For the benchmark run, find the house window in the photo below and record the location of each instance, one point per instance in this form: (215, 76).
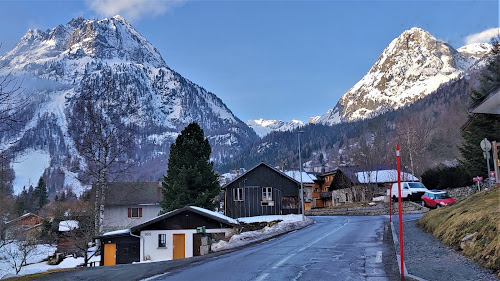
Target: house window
(162, 240)
(135, 212)
(267, 194)
(238, 194)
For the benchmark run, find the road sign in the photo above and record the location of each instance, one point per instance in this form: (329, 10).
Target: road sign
(485, 145)
(477, 179)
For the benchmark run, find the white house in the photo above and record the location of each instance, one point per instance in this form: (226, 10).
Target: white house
(178, 234)
(131, 203)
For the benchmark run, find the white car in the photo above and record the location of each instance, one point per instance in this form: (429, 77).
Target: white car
(409, 190)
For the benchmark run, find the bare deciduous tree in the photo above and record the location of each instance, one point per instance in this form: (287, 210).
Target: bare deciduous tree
(12, 101)
(19, 251)
(103, 134)
(413, 135)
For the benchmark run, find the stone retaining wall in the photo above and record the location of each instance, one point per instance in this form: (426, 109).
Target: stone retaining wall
(376, 210)
(460, 193)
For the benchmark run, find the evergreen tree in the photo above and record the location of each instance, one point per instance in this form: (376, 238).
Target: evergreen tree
(40, 194)
(190, 178)
(481, 126)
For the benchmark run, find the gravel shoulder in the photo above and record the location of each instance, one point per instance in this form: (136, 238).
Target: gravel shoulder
(427, 258)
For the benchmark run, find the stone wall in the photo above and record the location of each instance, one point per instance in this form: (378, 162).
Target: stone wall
(460, 193)
(376, 210)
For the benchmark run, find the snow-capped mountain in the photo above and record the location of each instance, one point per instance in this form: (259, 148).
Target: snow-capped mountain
(414, 65)
(263, 127)
(56, 66)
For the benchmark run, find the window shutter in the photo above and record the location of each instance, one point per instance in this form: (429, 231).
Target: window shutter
(129, 212)
(140, 212)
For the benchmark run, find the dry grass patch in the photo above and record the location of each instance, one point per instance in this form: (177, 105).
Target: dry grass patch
(478, 213)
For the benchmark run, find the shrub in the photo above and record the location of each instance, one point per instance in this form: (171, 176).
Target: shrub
(442, 177)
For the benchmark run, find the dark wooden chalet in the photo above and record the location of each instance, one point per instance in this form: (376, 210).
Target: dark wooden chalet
(119, 247)
(262, 190)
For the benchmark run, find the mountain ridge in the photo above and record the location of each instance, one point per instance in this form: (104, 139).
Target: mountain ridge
(412, 66)
(55, 65)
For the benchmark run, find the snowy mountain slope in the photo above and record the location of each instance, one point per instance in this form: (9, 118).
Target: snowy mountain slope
(414, 65)
(57, 64)
(263, 127)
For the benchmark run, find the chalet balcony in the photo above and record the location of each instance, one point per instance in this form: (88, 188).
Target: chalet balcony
(316, 195)
(326, 194)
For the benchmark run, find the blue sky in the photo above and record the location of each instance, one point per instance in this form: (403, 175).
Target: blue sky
(266, 59)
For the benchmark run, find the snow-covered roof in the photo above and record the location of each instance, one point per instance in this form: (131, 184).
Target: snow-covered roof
(383, 176)
(68, 225)
(24, 216)
(207, 213)
(116, 232)
(305, 176)
(215, 214)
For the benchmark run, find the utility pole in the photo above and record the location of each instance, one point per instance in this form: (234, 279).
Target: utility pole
(301, 185)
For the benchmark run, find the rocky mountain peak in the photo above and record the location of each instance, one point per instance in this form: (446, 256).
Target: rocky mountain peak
(111, 38)
(107, 39)
(414, 65)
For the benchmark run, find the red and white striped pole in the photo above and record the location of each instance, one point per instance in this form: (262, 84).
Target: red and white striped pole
(400, 215)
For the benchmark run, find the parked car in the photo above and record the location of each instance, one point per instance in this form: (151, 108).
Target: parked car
(436, 199)
(409, 190)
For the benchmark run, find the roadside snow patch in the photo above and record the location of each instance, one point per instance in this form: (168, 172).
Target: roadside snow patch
(289, 223)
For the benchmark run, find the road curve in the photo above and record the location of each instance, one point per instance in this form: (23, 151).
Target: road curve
(334, 248)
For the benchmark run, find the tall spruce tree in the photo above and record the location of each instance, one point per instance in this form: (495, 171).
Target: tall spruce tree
(481, 126)
(190, 178)
(40, 194)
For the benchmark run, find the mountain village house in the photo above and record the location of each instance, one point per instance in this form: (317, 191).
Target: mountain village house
(307, 184)
(353, 184)
(26, 224)
(262, 190)
(178, 234)
(131, 203)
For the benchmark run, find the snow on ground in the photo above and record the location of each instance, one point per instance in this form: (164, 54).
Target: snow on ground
(28, 168)
(288, 218)
(68, 225)
(289, 223)
(379, 198)
(36, 263)
(39, 253)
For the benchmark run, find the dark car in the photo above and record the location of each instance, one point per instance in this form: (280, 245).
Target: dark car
(436, 199)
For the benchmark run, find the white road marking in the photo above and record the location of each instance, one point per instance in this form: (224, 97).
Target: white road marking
(378, 258)
(262, 277)
(155, 276)
(322, 237)
(281, 262)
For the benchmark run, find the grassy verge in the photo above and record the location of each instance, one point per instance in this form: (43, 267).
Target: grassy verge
(477, 213)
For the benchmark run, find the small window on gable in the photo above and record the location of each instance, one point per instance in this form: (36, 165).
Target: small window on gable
(267, 194)
(135, 212)
(162, 240)
(238, 194)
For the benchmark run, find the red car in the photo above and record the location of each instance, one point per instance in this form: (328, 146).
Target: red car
(436, 199)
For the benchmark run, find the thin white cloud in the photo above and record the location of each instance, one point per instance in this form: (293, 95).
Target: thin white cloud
(132, 10)
(483, 37)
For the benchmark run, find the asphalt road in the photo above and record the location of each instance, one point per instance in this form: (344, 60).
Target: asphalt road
(334, 248)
